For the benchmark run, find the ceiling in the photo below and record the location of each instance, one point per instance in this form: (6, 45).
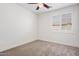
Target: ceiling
(54, 6)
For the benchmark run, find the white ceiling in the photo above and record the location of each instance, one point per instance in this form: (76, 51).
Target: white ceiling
(54, 6)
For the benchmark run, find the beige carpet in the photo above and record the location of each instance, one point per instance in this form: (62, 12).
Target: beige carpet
(42, 48)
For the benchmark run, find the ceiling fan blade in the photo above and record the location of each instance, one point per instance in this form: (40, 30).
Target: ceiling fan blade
(45, 5)
(32, 3)
(37, 8)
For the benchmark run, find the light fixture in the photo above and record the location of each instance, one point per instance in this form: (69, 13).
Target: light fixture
(40, 5)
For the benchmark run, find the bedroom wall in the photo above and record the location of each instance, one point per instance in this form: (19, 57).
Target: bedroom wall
(17, 26)
(47, 33)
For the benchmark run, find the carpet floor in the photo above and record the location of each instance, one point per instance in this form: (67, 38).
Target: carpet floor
(42, 48)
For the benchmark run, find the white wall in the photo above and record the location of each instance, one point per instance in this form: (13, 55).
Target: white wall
(17, 26)
(47, 33)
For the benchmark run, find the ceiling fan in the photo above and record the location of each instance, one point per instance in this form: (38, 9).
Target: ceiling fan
(40, 5)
